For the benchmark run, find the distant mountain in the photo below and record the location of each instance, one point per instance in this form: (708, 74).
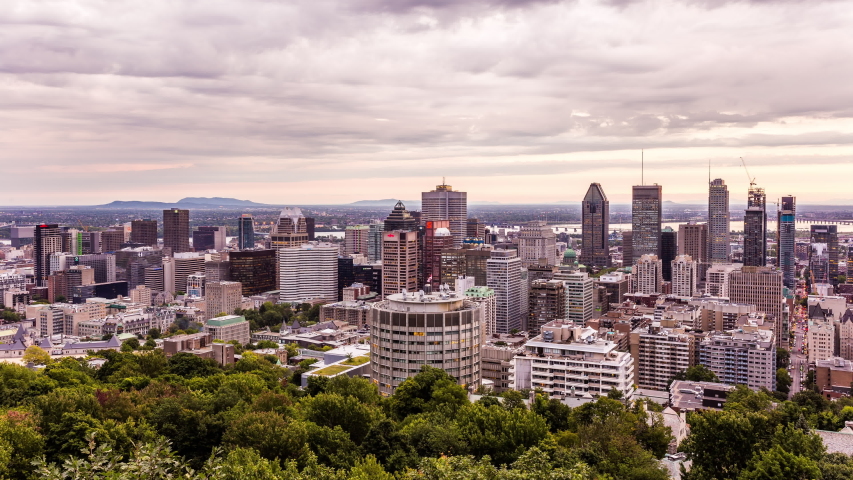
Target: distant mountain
(189, 202)
(386, 202)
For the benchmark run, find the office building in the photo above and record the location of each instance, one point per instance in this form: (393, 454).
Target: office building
(103, 264)
(627, 248)
(683, 276)
(255, 270)
(369, 275)
(668, 251)
(504, 277)
(374, 241)
(546, 303)
(436, 239)
(178, 267)
(144, 232)
(445, 204)
(741, 358)
(646, 220)
(537, 244)
(11, 282)
(580, 302)
(399, 262)
(567, 361)
(222, 297)
(845, 335)
(821, 340)
(475, 229)
(309, 271)
(89, 243)
(755, 229)
(442, 330)
(693, 240)
(217, 270)
(195, 285)
(762, 287)
(290, 230)
(47, 240)
(400, 219)
(111, 240)
(154, 278)
(465, 262)
(209, 238)
(176, 230)
(228, 328)
(141, 295)
(595, 224)
(717, 284)
(310, 223)
(824, 254)
(246, 232)
(356, 240)
(346, 274)
(786, 231)
(719, 245)
(648, 275)
(21, 235)
(617, 284)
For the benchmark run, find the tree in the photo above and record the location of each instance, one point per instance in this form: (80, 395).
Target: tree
(36, 355)
(777, 463)
(331, 410)
(783, 381)
(783, 358)
(427, 391)
(735, 436)
(502, 434)
(270, 434)
(61, 299)
(700, 373)
(189, 365)
(154, 333)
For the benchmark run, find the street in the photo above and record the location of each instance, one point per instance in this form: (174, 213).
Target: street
(798, 358)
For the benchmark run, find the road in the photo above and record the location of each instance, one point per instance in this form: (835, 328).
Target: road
(797, 357)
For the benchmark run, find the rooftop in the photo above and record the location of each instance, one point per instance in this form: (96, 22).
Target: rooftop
(225, 321)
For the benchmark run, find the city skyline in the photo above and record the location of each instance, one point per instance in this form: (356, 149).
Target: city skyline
(516, 102)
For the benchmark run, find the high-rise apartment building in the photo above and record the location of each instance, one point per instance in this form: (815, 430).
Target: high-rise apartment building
(144, 232)
(762, 287)
(719, 247)
(537, 244)
(255, 270)
(246, 231)
(445, 204)
(442, 331)
(648, 274)
(485, 296)
(646, 220)
(399, 262)
(546, 303)
(668, 251)
(356, 239)
(209, 238)
(176, 230)
(824, 243)
(290, 230)
(741, 358)
(595, 225)
(47, 240)
(309, 271)
(693, 240)
(579, 296)
(400, 219)
(786, 230)
(661, 353)
(436, 238)
(374, 241)
(222, 297)
(683, 276)
(504, 277)
(755, 229)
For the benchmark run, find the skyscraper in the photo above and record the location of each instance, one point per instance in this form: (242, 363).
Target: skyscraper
(504, 277)
(648, 274)
(246, 232)
(144, 232)
(400, 219)
(47, 240)
(209, 238)
(356, 238)
(718, 222)
(786, 229)
(824, 251)
(176, 230)
(683, 276)
(693, 241)
(291, 230)
(436, 238)
(595, 214)
(537, 243)
(445, 204)
(755, 229)
(547, 302)
(645, 220)
(255, 270)
(308, 271)
(668, 251)
(374, 241)
(762, 287)
(399, 262)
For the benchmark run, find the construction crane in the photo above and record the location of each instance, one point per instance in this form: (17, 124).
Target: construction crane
(751, 178)
(85, 229)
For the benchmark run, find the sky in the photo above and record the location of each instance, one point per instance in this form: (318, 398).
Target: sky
(514, 101)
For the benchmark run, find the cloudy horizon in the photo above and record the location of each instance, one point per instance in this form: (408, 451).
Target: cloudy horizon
(513, 101)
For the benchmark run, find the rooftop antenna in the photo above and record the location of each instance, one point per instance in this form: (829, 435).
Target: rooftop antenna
(709, 171)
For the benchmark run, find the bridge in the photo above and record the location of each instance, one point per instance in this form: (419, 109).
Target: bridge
(825, 222)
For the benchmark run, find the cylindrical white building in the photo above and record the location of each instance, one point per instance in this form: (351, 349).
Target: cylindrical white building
(409, 330)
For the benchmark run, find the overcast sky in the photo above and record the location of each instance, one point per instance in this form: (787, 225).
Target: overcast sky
(316, 101)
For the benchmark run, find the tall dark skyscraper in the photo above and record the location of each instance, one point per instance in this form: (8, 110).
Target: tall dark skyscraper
(47, 239)
(400, 219)
(755, 229)
(246, 232)
(144, 232)
(786, 229)
(176, 230)
(718, 222)
(255, 270)
(823, 254)
(645, 220)
(309, 227)
(668, 251)
(595, 218)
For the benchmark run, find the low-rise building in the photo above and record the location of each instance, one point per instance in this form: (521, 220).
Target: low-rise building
(834, 376)
(496, 359)
(228, 328)
(686, 396)
(353, 312)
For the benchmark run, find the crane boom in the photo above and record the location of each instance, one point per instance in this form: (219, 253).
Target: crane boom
(751, 178)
